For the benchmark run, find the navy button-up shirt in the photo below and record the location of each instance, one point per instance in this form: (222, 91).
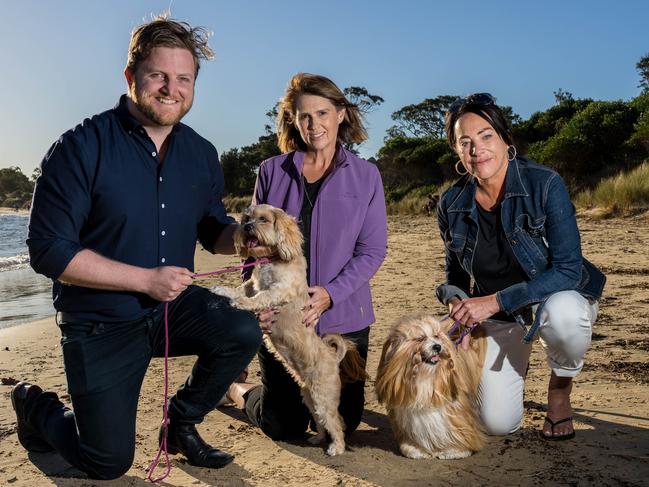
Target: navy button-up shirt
(103, 188)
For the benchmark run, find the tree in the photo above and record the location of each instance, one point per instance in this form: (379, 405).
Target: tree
(413, 161)
(543, 125)
(643, 70)
(561, 96)
(359, 96)
(15, 189)
(591, 144)
(240, 165)
(425, 119)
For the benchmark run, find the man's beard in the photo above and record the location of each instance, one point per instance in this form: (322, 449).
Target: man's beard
(144, 102)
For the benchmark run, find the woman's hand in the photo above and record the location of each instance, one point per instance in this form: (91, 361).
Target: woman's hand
(473, 310)
(318, 303)
(266, 319)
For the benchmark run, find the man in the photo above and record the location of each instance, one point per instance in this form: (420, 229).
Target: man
(117, 210)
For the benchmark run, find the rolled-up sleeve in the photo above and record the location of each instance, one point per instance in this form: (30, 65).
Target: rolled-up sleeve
(60, 206)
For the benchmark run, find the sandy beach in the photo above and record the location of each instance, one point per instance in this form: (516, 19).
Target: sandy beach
(610, 399)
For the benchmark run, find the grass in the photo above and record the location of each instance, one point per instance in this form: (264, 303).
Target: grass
(621, 194)
(414, 201)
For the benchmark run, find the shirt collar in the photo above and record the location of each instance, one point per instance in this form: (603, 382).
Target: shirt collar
(341, 159)
(465, 201)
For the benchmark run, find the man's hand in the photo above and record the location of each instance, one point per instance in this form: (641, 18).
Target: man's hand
(318, 303)
(166, 283)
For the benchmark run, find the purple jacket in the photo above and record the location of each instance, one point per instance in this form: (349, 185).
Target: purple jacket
(348, 231)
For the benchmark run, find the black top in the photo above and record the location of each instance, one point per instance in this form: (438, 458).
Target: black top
(495, 266)
(103, 187)
(311, 191)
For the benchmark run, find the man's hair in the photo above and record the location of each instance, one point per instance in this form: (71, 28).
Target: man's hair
(351, 129)
(165, 32)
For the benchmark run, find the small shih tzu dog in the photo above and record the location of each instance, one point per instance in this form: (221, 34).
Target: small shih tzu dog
(317, 364)
(430, 388)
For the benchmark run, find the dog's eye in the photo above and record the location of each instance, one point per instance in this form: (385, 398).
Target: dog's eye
(262, 219)
(421, 338)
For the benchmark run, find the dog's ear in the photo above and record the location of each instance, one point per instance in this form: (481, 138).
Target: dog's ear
(238, 238)
(289, 237)
(391, 345)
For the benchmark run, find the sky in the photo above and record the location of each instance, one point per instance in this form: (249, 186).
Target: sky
(63, 61)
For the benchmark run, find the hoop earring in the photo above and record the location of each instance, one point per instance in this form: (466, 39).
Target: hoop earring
(458, 171)
(510, 149)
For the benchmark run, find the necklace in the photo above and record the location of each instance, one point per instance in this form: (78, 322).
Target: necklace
(306, 192)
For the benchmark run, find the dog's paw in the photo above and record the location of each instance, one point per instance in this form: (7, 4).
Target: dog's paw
(412, 451)
(244, 302)
(453, 454)
(335, 449)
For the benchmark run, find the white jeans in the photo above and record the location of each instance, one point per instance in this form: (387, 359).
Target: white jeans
(565, 330)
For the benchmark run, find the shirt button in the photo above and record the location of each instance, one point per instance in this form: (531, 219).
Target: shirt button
(154, 153)
(163, 233)
(162, 205)
(163, 260)
(160, 178)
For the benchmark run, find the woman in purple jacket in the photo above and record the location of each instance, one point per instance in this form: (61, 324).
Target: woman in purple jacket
(338, 200)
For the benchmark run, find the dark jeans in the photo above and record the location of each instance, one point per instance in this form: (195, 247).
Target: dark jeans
(277, 408)
(105, 364)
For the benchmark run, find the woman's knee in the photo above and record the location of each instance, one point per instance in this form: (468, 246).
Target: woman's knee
(283, 428)
(566, 322)
(500, 423)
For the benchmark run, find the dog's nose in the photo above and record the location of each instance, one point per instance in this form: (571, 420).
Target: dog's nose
(437, 348)
(248, 226)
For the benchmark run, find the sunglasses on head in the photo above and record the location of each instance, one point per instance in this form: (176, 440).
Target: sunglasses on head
(479, 99)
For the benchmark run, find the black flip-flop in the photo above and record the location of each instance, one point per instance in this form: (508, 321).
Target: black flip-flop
(552, 437)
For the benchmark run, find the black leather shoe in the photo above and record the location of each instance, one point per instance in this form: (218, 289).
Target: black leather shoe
(27, 436)
(183, 438)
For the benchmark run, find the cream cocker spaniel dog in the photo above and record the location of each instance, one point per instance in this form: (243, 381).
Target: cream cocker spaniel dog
(316, 364)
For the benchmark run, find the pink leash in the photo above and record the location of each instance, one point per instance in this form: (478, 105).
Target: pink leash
(165, 418)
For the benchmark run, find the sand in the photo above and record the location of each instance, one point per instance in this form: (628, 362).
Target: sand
(610, 398)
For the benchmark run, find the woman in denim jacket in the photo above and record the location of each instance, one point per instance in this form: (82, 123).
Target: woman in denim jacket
(509, 228)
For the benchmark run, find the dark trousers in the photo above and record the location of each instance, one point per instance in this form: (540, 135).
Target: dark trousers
(277, 407)
(105, 364)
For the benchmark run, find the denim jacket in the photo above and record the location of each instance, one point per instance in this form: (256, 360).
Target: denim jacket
(539, 222)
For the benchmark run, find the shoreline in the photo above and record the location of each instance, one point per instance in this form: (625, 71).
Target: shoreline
(610, 398)
(10, 211)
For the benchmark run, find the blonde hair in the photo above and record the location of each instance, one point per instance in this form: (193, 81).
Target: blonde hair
(351, 129)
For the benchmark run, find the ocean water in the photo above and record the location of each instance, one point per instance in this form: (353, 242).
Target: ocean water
(24, 295)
